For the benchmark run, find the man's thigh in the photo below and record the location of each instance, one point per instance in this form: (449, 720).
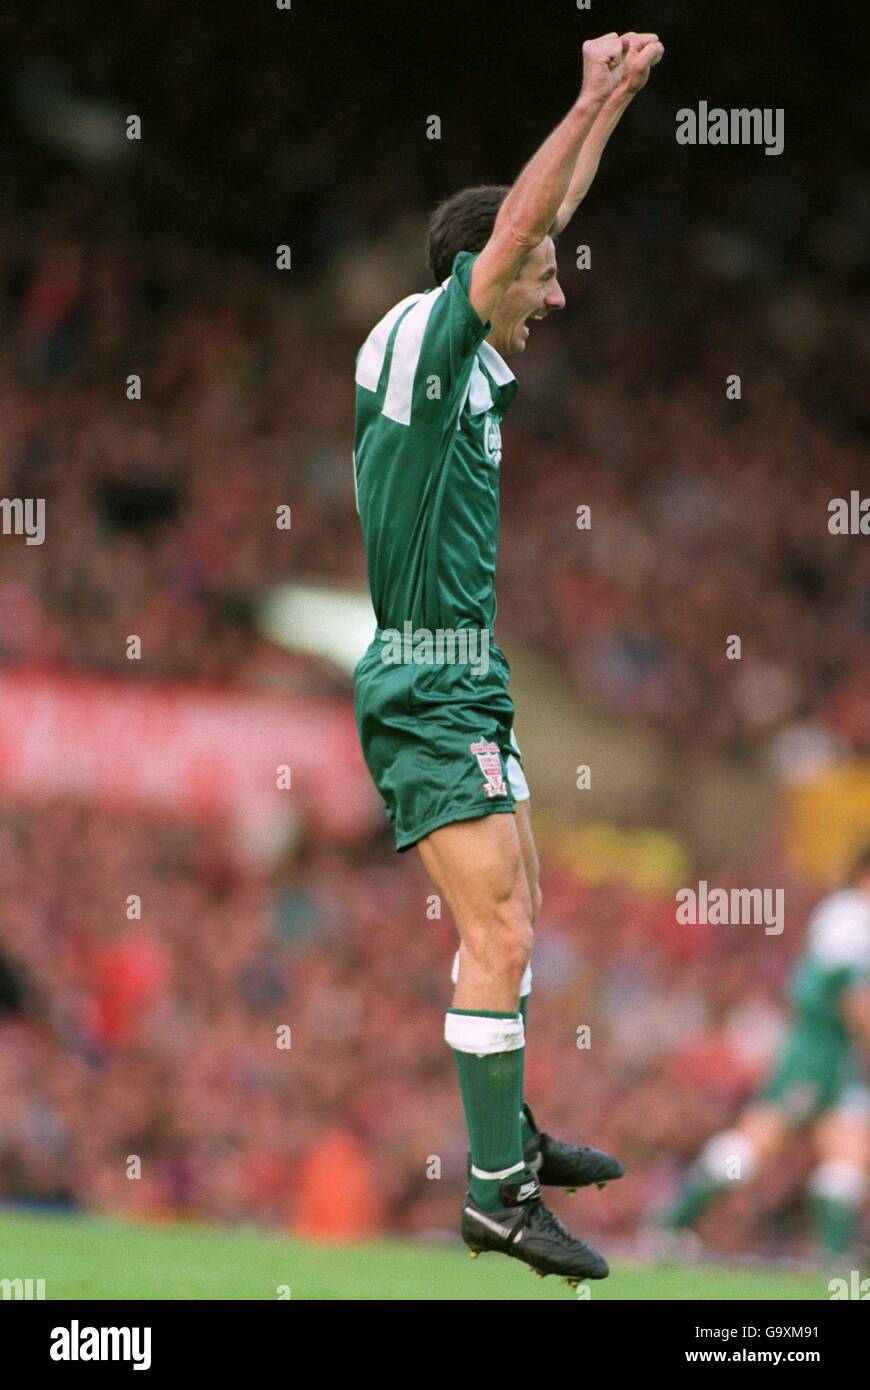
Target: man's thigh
(476, 865)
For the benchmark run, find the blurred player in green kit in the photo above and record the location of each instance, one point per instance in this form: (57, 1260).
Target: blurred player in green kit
(818, 1085)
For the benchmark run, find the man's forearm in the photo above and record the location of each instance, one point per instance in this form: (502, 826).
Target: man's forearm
(589, 158)
(530, 208)
(643, 52)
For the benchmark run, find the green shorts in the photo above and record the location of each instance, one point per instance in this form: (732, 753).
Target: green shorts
(438, 741)
(816, 1071)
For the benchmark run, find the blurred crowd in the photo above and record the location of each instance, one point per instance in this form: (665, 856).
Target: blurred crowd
(236, 1048)
(708, 516)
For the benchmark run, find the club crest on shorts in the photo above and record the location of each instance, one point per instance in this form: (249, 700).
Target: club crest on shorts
(487, 755)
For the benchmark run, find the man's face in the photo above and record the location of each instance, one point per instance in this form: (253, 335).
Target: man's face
(532, 295)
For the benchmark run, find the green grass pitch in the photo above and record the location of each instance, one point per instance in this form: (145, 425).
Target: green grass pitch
(82, 1257)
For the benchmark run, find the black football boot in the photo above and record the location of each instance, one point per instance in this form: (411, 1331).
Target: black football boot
(525, 1229)
(567, 1165)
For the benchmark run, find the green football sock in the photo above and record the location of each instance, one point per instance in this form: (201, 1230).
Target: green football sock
(525, 1128)
(837, 1189)
(836, 1223)
(727, 1158)
(488, 1048)
(693, 1201)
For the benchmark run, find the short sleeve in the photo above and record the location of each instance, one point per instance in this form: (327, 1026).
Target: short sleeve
(433, 350)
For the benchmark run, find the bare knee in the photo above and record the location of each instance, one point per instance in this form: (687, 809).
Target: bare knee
(499, 945)
(843, 1136)
(514, 936)
(481, 868)
(765, 1128)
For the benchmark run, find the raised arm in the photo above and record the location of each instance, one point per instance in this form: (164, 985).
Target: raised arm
(529, 210)
(641, 52)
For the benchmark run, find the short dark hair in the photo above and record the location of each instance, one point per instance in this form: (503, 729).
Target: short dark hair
(462, 223)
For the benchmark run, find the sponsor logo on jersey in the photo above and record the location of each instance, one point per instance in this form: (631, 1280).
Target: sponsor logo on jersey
(488, 757)
(492, 439)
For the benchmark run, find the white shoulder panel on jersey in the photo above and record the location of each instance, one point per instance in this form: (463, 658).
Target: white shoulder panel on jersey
(479, 395)
(370, 361)
(495, 364)
(839, 930)
(407, 345)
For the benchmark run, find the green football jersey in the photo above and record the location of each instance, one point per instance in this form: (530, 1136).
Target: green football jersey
(430, 398)
(837, 957)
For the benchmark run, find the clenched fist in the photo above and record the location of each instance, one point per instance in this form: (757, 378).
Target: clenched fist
(641, 52)
(602, 66)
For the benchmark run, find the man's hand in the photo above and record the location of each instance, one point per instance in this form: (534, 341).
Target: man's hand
(641, 52)
(617, 67)
(602, 67)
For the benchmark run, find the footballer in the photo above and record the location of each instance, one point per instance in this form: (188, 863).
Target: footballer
(818, 1085)
(432, 390)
